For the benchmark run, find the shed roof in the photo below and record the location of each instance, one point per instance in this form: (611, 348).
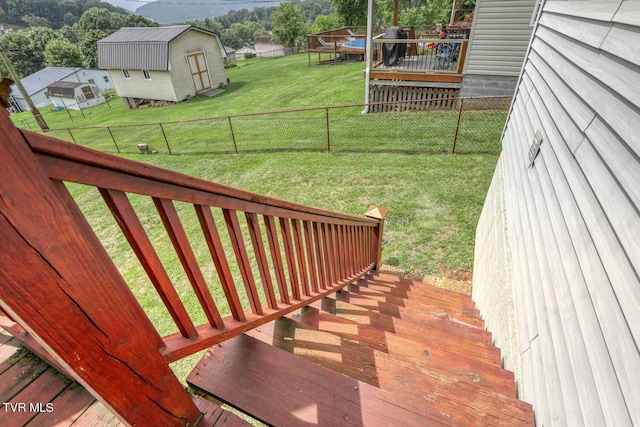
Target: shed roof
(39, 80)
(142, 48)
(145, 34)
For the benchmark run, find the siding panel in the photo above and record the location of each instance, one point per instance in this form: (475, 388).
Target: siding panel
(574, 217)
(193, 42)
(499, 26)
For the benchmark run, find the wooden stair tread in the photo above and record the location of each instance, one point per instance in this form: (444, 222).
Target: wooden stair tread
(387, 351)
(431, 326)
(378, 366)
(282, 389)
(421, 293)
(390, 279)
(457, 396)
(410, 314)
(469, 316)
(424, 353)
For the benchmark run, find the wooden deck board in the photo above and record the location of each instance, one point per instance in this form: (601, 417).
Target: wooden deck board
(454, 394)
(39, 396)
(246, 373)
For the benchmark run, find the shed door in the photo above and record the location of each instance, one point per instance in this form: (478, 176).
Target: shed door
(199, 71)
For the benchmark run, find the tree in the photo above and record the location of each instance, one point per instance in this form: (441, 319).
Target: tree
(89, 47)
(288, 24)
(26, 50)
(353, 12)
(95, 19)
(35, 21)
(327, 22)
(62, 53)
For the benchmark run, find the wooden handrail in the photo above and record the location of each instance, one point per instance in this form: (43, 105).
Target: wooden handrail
(311, 252)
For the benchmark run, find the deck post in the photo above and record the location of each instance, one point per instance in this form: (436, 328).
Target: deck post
(378, 213)
(58, 283)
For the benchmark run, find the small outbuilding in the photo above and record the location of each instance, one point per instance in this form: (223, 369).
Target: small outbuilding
(74, 95)
(169, 64)
(36, 84)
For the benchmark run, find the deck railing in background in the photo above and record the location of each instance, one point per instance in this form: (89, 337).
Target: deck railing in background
(423, 56)
(58, 283)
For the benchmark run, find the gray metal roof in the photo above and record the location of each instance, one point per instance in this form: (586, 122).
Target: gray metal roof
(41, 79)
(145, 34)
(141, 48)
(66, 85)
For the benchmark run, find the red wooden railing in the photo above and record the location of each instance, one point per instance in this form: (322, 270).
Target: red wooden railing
(61, 288)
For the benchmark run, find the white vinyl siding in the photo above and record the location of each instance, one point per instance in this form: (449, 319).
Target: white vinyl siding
(160, 88)
(499, 37)
(573, 219)
(190, 43)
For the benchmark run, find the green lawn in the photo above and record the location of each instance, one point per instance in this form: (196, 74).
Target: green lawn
(269, 85)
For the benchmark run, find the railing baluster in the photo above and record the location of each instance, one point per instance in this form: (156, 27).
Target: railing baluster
(172, 224)
(220, 261)
(299, 244)
(263, 266)
(356, 237)
(333, 252)
(289, 255)
(310, 256)
(322, 277)
(134, 232)
(276, 257)
(339, 253)
(237, 242)
(349, 250)
(326, 239)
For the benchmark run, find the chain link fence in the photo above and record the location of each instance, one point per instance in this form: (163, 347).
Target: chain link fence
(460, 125)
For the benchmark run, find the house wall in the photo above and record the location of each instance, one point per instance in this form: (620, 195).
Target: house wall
(39, 99)
(160, 86)
(192, 42)
(97, 76)
(573, 218)
(498, 42)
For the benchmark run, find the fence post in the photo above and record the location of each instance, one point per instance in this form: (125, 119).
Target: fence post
(378, 213)
(455, 136)
(166, 141)
(328, 132)
(71, 135)
(113, 139)
(233, 136)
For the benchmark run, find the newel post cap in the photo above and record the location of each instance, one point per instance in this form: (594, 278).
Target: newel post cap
(376, 212)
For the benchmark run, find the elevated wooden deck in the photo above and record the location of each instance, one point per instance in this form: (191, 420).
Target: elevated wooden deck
(35, 394)
(387, 351)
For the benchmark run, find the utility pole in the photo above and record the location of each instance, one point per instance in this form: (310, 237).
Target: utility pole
(16, 79)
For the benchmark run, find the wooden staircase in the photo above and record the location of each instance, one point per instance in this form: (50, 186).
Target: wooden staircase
(385, 351)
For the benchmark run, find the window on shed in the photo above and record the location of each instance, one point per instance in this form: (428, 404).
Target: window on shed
(106, 79)
(146, 74)
(126, 75)
(92, 81)
(88, 94)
